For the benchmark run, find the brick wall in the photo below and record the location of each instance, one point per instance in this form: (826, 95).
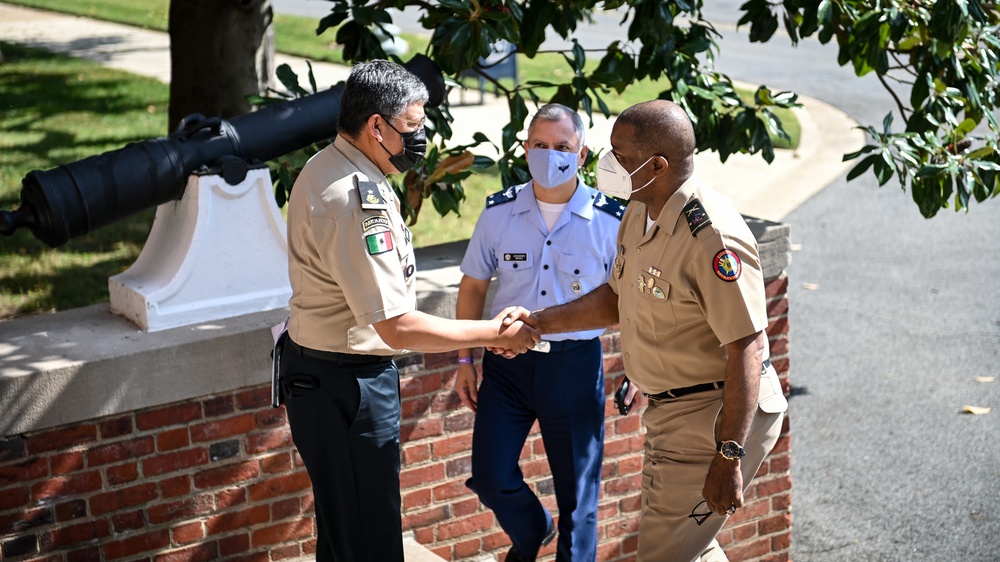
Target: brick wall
(219, 479)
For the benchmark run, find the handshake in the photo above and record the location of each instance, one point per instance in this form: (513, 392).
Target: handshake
(517, 333)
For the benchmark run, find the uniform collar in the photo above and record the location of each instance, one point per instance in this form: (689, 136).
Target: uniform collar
(581, 203)
(360, 161)
(668, 217)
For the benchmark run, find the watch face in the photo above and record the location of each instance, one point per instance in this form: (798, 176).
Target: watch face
(731, 450)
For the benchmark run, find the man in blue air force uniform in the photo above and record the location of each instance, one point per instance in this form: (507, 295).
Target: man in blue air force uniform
(549, 241)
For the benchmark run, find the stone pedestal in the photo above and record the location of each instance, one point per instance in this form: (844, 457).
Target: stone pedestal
(218, 252)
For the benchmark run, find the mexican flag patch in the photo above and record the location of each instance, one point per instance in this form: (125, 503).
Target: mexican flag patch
(379, 242)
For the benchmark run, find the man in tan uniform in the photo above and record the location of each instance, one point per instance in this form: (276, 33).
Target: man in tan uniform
(688, 293)
(353, 304)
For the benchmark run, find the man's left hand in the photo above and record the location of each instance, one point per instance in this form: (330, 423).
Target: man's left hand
(723, 490)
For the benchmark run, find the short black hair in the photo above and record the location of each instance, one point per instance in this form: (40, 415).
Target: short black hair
(377, 87)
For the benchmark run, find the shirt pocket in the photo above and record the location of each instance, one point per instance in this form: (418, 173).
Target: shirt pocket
(654, 307)
(581, 273)
(515, 261)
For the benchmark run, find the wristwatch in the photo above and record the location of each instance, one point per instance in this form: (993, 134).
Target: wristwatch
(730, 450)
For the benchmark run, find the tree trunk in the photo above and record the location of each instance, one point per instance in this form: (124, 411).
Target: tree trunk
(220, 52)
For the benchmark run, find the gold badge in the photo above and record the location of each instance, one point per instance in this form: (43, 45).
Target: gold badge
(372, 198)
(645, 284)
(658, 293)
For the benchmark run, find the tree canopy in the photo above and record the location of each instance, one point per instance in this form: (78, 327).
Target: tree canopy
(938, 60)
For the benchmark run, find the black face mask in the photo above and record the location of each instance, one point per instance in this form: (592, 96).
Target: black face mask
(414, 147)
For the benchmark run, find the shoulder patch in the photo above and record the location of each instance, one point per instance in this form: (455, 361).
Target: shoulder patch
(696, 216)
(371, 223)
(371, 197)
(727, 265)
(501, 197)
(609, 206)
(378, 243)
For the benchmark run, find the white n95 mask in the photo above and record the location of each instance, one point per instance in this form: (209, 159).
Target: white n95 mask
(551, 168)
(614, 180)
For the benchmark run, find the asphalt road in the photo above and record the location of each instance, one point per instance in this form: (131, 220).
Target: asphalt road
(892, 318)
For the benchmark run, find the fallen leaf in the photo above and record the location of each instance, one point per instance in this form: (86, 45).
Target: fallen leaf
(795, 247)
(976, 410)
(985, 379)
(810, 286)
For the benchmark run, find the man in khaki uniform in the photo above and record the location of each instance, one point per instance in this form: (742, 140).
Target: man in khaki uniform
(352, 308)
(688, 293)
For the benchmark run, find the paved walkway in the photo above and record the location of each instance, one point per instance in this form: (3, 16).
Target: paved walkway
(758, 189)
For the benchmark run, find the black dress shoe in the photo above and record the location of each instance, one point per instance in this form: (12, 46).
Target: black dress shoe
(514, 556)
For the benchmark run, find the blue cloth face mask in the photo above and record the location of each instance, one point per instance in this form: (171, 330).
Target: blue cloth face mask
(551, 168)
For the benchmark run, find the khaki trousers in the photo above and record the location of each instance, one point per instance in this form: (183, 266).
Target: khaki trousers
(680, 446)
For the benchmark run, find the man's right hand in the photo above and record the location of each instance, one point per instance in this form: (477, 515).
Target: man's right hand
(513, 314)
(516, 338)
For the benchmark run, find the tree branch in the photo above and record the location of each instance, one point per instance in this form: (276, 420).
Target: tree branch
(899, 103)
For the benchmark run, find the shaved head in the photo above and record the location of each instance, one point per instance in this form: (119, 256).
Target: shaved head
(661, 127)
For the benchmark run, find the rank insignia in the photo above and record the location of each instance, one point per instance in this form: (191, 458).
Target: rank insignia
(609, 206)
(371, 196)
(499, 197)
(727, 265)
(654, 272)
(696, 216)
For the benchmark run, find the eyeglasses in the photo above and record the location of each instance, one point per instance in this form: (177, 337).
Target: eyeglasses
(700, 518)
(410, 125)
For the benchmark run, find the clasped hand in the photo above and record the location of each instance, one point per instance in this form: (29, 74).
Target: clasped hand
(516, 334)
(513, 317)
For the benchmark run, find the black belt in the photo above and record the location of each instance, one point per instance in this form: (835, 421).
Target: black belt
(565, 345)
(336, 357)
(704, 387)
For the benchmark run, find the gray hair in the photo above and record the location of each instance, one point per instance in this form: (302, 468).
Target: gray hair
(555, 112)
(377, 87)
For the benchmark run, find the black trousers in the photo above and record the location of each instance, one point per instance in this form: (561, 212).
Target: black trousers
(345, 423)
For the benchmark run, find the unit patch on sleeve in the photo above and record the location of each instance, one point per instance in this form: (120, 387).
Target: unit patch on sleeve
(727, 265)
(371, 197)
(373, 222)
(696, 216)
(379, 242)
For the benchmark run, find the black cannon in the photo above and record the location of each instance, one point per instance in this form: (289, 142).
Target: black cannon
(73, 199)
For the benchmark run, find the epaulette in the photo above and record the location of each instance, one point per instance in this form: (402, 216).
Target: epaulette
(696, 216)
(609, 205)
(501, 197)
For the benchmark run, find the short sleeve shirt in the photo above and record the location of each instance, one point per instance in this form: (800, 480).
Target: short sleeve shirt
(537, 268)
(686, 287)
(350, 255)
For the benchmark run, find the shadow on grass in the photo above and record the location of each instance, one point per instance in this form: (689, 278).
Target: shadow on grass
(57, 110)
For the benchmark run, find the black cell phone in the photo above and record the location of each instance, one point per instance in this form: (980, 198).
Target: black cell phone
(623, 408)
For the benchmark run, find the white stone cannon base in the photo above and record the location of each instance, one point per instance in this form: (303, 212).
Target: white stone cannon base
(218, 252)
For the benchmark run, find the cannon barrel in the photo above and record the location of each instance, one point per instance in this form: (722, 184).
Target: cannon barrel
(74, 199)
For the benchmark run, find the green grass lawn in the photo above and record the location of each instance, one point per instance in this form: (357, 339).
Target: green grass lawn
(58, 110)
